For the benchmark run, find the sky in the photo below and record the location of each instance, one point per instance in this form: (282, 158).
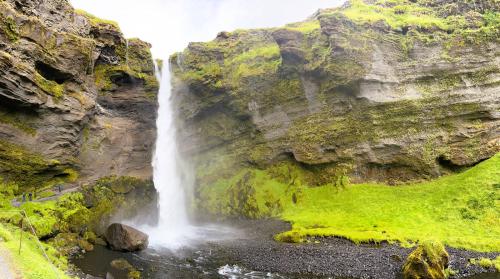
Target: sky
(169, 25)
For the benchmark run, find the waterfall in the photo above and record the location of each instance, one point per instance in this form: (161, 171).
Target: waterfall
(173, 229)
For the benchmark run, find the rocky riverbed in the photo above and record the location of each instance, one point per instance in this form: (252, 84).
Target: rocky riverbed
(250, 252)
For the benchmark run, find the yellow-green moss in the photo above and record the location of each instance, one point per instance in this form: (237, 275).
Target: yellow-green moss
(48, 86)
(104, 73)
(404, 14)
(428, 260)
(439, 209)
(95, 21)
(305, 27)
(487, 263)
(18, 123)
(10, 29)
(257, 61)
(20, 165)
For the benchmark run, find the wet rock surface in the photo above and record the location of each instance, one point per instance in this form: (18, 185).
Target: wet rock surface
(125, 238)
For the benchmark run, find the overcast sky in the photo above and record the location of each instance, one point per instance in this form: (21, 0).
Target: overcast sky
(170, 24)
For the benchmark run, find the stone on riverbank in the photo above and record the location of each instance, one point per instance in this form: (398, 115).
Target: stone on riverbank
(429, 260)
(125, 238)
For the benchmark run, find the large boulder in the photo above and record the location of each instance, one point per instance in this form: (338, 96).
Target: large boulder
(125, 238)
(427, 261)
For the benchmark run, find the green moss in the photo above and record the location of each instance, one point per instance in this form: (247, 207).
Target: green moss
(10, 29)
(209, 74)
(48, 86)
(290, 237)
(249, 193)
(22, 166)
(398, 16)
(428, 260)
(260, 60)
(139, 57)
(17, 122)
(366, 212)
(95, 21)
(487, 263)
(105, 74)
(305, 27)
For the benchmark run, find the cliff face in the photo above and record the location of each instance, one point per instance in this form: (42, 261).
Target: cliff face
(394, 91)
(76, 98)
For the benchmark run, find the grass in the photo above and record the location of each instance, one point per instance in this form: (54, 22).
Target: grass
(261, 60)
(397, 16)
(95, 21)
(31, 262)
(461, 210)
(305, 27)
(487, 263)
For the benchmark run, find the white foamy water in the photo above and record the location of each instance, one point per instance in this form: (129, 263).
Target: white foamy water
(173, 228)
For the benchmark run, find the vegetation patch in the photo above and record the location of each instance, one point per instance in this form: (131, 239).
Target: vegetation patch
(487, 263)
(428, 260)
(96, 21)
(306, 27)
(31, 261)
(50, 87)
(28, 169)
(459, 210)
(10, 29)
(11, 120)
(397, 14)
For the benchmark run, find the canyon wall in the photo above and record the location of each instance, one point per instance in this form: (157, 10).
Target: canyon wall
(388, 91)
(77, 100)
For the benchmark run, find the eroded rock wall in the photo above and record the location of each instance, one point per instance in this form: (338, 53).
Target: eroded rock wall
(394, 91)
(77, 100)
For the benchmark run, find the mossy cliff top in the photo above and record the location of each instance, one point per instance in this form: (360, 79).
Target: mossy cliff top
(379, 90)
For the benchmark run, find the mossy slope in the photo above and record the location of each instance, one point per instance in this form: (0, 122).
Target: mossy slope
(460, 210)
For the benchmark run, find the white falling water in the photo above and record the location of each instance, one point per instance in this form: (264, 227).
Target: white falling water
(173, 228)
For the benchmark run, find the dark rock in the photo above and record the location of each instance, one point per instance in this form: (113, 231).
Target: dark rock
(125, 238)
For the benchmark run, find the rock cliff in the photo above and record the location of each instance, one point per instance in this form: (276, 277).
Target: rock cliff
(77, 99)
(374, 90)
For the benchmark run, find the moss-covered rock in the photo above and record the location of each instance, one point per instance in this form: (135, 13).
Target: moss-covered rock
(371, 91)
(50, 64)
(124, 265)
(428, 260)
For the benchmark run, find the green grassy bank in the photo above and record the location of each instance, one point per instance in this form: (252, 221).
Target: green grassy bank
(460, 210)
(30, 261)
